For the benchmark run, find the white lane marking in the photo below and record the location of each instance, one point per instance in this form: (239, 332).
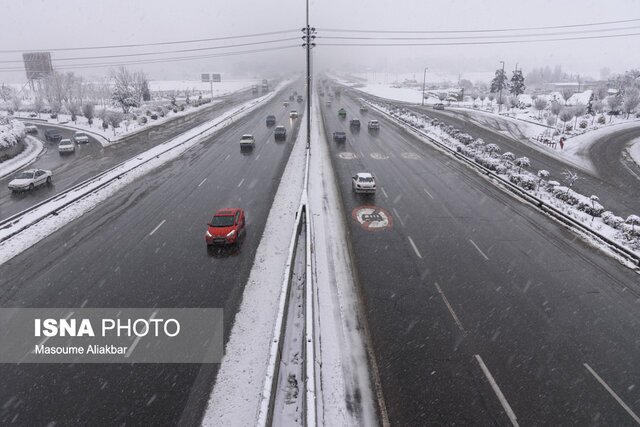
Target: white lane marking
(415, 248)
(202, 182)
(137, 340)
(239, 185)
(613, 393)
(384, 192)
(258, 156)
(227, 158)
(361, 154)
(497, 391)
(429, 194)
(453, 313)
(157, 226)
(398, 216)
(481, 253)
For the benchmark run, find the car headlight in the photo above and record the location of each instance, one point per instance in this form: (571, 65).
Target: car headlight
(208, 234)
(231, 233)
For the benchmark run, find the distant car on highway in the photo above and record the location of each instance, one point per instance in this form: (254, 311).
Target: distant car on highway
(373, 125)
(342, 113)
(66, 146)
(52, 135)
(354, 124)
(293, 114)
(364, 109)
(328, 103)
(247, 141)
(300, 98)
(438, 106)
(31, 129)
(280, 132)
(81, 138)
(271, 120)
(339, 136)
(285, 103)
(363, 182)
(30, 179)
(225, 227)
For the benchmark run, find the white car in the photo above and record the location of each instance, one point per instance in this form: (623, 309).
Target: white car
(30, 179)
(66, 146)
(363, 182)
(81, 138)
(293, 114)
(247, 140)
(374, 124)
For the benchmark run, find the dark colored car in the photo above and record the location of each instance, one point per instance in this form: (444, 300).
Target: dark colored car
(225, 227)
(280, 132)
(438, 106)
(339, 136)
(52, 135)
(354, 124)
(300, 98)
(271, 120)
(342, 113)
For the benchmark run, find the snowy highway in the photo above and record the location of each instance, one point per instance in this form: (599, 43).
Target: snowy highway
(91, 159)
(481, 310)
(145, 248)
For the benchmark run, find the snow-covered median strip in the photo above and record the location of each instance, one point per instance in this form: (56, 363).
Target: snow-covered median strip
(33, 148)
(89, 194)
(239, 387)
(634, 150)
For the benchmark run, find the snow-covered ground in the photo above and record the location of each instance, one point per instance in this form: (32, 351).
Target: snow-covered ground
(128, 127)
(33, 148)
(94, 191)
(634, 150)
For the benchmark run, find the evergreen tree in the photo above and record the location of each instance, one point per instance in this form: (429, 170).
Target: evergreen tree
(517, 86)
(499, 82)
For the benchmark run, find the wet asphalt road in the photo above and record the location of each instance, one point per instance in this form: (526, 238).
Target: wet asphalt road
(112, 257)
(467, 273)
(91, 159)
(616, 181)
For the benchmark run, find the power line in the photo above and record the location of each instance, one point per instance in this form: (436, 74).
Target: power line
(482, 42)
(163, 52)
(484, 30)
(479, 37)
(156, 60)
(270, 33)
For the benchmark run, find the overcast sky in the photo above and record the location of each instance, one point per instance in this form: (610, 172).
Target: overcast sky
(45, 24)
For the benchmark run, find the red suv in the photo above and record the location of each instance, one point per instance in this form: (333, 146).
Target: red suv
(225, 227)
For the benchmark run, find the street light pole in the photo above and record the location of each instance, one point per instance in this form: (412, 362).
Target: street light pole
(501, 84)
(308, 44)
(424, 79)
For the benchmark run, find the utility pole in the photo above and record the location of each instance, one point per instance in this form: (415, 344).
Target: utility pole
(308, 44)
(500, 101)
(424, 79)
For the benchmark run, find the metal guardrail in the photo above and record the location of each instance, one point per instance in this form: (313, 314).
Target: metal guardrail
(533, 200)
(10, 221)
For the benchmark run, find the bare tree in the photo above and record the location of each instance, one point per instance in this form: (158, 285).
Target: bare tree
(55, 108)
(74, 109)
(88, 111)
(570, 178)
(565, 115)
(555, 110)
(123, 93)
(598, 108)
(566, 94)
(115, 118)
(540, 104)
(631, 100)
(6, 93)
(578, 111)
(614, 103)
(140, 85)
(16, 103)
(601, 92)
(38, 104)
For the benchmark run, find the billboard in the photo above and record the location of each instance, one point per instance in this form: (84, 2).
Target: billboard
(215, 78)
(205, 78)
(37, 65)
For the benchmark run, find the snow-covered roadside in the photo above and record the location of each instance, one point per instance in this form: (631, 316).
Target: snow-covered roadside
(33, 148)
(341, 350)
(94, 191)
(634, 150)
(237, 393)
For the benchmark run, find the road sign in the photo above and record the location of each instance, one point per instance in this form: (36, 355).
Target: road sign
(372, 218)
(216, 78)
(205, 78)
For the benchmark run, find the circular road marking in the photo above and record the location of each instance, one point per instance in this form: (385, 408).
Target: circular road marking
(372, 218)
(379, 156)
(347, 155)
(411, 156)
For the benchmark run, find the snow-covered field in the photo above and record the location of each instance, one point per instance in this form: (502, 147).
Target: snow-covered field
(33, 147)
